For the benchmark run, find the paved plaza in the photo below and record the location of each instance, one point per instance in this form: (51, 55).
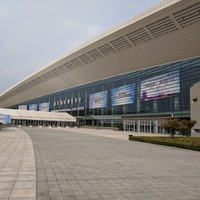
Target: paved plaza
(86, 164)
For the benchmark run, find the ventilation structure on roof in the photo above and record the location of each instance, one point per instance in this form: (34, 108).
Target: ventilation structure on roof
(27, 86)
(45, 77)
(85, 59)
(35, 81)
(107, 49)
(138, 36)
(50, 74)
(95, 54)
(69, 66)
(57, 72)
(121, 43)
(22, 87)
(162, 27)
(40, 79)
(76, 62)
(63, 69)
(188, 16)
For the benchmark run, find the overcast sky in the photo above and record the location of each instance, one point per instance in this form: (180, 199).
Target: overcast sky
(34, 33)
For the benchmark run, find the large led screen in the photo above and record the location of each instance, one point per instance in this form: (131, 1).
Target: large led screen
(5, 119)
(22, 107)
(98, 100)
(33, 107)
(44, 107)
(162, 86)
(123, 95)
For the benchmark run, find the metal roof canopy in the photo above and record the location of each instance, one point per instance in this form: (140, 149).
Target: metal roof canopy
(37, 115)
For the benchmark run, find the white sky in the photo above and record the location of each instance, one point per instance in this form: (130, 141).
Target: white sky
(34, 33)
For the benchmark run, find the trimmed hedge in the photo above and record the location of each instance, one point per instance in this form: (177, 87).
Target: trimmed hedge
(192, 143)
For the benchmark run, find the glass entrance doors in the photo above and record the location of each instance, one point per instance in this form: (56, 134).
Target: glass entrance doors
(144, 125)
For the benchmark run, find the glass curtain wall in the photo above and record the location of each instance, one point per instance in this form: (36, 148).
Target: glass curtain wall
(161, 89)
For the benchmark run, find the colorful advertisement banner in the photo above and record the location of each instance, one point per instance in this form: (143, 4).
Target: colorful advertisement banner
(123, 95)
(33, 107)
(44, 107)
(98, 100)
(5, 119)
(162, 86)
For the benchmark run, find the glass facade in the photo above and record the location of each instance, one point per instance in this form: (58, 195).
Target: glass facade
(159, 90)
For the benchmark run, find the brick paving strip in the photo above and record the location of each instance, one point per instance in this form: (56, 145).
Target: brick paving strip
(17, 166)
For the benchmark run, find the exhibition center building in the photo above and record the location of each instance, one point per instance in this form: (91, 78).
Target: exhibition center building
(134, 76)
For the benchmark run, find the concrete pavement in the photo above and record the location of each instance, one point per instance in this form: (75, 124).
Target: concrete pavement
(122, 135)
(80, 164)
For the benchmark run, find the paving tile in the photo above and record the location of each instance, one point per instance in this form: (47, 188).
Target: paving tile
(87, 164)
(22, 178)
(7, 178)
(43, 197)
(4, 193)
(69, 197)
(22, 198)
(24, 185)
(6, 185)
(23, 193)
(55, 196)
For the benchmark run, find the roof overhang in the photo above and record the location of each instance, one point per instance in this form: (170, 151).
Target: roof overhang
(166, 33)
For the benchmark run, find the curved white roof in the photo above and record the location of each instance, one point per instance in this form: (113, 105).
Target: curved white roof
(37, 115)
(165, 33)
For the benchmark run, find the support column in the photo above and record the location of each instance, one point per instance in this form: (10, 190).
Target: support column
(138, 126)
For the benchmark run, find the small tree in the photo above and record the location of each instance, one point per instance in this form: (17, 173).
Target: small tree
(174, 125)
(185, 126)
(171, 126)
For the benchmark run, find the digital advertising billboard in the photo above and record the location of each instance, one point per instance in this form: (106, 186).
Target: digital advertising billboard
(44, 107)
(123, 95)
(22, 107)
(5, 119)
(162, 86)
(98, 100)
(33, 107)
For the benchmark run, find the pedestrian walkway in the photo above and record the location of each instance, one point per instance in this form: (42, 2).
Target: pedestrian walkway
(17, 165)
(85, 166)
(123, 135)
(80, 164)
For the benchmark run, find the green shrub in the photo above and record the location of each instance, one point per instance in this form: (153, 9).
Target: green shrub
(192, 143)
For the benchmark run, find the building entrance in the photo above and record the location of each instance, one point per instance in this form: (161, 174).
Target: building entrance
(144, 125)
